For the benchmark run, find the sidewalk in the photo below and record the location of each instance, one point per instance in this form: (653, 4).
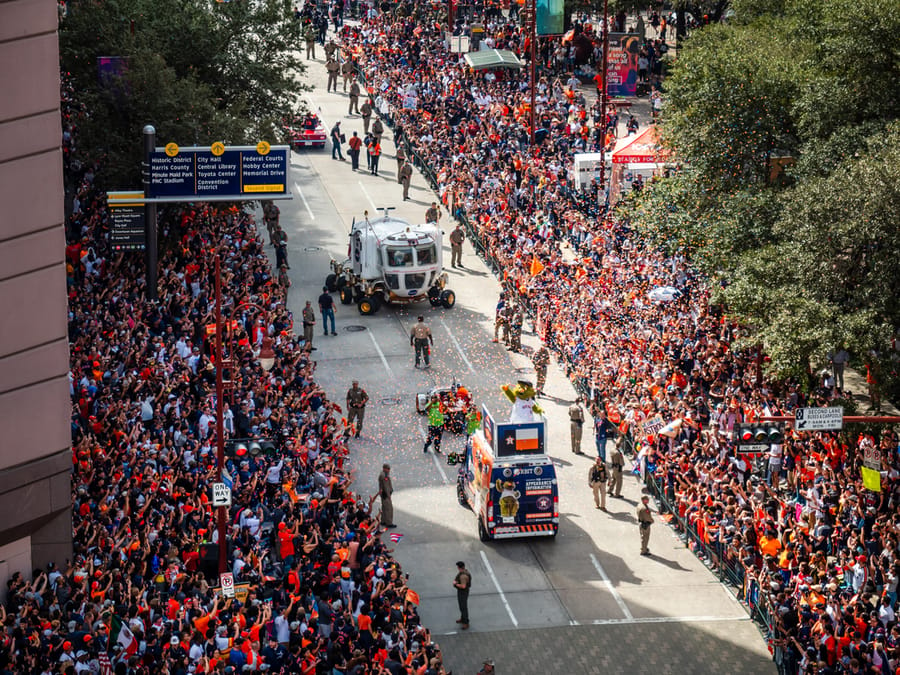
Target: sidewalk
(855, 386)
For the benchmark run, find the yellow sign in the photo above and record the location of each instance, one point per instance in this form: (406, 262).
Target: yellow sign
(263, 148)
(264, 188)
(871, 479)
(171, 149)
(217, 148)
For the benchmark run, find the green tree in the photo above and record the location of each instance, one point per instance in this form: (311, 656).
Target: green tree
(198, 71)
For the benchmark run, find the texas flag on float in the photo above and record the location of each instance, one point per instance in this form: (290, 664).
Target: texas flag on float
(519, 438)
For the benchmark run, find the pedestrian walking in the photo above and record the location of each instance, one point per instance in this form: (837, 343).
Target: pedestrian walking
(326, 307)
(541, 360)
(597, 479)
(366, 112)
(433, 214)
(356, 406)
(500, 320)
(385, 490)
(617, 465)
(355, 144)
(421, 338)
(645, 520)
(354, 98)
(332, 68)
(603, 430)
(401, 153)
(462, 583)
(839, 360)
(404, 178)
(369, 142)
(309, 325)
(336, 139)
(576, 425)
(280, 241)
(435, 413)
(375, 155)
(457, 237)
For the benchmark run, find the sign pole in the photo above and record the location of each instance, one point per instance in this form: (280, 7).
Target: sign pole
(150, 252)
(220, 425)
(604, 66)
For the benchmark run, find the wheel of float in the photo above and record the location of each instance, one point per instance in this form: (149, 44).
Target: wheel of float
(448, 299)
(366, 306)
(482, 532)
(331, 282)
(346, 296)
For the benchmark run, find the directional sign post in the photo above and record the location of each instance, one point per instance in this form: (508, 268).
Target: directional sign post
(221, 495)
(753, 448)
(819, 419)
(226, 580)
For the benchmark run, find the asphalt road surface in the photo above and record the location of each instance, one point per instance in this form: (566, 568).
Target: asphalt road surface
(585, 602)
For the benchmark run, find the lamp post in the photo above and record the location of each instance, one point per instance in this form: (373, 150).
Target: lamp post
(603, 74)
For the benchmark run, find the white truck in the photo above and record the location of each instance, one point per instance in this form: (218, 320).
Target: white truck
(391, 260)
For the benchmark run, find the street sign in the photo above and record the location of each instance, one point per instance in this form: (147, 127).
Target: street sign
(819, 419)
(753, 448)
(872, 457)
(221, 495)
(219, 173)
(126, 221)
(226, 580)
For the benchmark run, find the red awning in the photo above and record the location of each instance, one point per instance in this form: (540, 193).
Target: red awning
(644, 148)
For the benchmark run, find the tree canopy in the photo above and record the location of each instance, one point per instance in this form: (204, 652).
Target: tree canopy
(806, 256)
(199, 71)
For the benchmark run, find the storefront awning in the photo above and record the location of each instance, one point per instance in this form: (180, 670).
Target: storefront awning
(492, 58)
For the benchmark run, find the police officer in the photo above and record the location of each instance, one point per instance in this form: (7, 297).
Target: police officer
(309, 325)
(385, 490)
(354, 98)
(576, 425)
(356, 406)
(347, 71)
(400, 156)
(332, 67)
(366, 112)
(330, 49)
(597, 478)
(377, 130)
(516, 320)
(462, 583)
(457, 237)
(645, 520)
(419, 337)
(500, 319)
(435, 424)
(541, 360)
(404, 178)
(617, 464)
(309, 35)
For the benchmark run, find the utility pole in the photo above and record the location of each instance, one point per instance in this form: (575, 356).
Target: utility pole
(220, 423)
(533, 22)
(150, 252)
(603, 72)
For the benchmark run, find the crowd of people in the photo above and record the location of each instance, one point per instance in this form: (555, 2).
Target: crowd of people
(317, 590)
(811, 547)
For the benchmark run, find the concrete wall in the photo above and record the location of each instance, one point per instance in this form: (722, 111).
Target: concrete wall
(35, 456)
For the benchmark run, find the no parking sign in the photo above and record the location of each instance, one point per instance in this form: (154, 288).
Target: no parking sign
(226, 579)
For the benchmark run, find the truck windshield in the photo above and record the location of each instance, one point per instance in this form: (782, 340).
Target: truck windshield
(426, 255)
(400, 257)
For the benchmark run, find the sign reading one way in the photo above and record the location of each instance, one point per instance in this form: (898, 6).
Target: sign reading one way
(819, 419)
(221, 495)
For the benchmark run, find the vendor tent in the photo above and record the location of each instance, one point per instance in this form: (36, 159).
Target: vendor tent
(643, 148)
(492, 58)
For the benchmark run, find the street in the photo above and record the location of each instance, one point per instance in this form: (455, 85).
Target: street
(615, 610)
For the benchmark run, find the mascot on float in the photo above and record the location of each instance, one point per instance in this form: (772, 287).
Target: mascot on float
(522, 397)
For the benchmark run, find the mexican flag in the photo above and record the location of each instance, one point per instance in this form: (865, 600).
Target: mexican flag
(120, 634)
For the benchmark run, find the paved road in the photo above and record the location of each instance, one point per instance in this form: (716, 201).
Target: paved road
(589, 589)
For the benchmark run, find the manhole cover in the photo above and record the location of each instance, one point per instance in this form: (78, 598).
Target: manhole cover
(354, 328)
(523, 370)
(312, 249)
(391, 400)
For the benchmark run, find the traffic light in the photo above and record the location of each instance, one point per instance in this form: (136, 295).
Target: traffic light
(247, 448)
(758, 433)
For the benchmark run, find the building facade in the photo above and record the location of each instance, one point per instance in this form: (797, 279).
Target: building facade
(35, 407)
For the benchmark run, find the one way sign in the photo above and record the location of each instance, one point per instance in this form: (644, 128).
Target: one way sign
(221, 495)
(819, 419)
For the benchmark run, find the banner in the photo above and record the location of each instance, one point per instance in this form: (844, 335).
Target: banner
(550, 19)
(622, 68)
(871, 479)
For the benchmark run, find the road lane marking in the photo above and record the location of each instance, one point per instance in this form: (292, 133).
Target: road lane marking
(668, 619)
(499, 590)
(444, 479)
(368, 196)
(458, 347)
(381, 354)
(612, 589)
(305, 203)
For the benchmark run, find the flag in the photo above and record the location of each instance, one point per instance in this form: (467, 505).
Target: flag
(412, 596)
(536, 266)
(120, 634)
(396, 537)
(105, 665)
(871, 479)
(526, 439)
